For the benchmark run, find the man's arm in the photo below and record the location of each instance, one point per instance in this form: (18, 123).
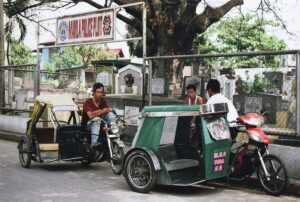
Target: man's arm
(99, 112)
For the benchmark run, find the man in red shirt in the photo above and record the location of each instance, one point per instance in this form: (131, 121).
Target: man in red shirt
(95, 109)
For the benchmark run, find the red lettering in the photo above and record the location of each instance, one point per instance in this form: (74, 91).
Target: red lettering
(218, 161)
(73, 29)
(84, 26)
(95, 27)
(90, 27)
(218, 168)
(219, 155)
(100, 25)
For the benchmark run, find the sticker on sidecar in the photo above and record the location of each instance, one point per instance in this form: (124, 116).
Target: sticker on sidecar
(219, 161)
(218, 129)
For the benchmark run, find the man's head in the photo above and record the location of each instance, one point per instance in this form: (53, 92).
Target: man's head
(213, 87)
(98, 91)
(191, 90)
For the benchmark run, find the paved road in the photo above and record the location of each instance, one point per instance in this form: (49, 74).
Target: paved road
(72, 182)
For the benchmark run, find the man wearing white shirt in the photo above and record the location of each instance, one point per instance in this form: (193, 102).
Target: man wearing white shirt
(213, 90)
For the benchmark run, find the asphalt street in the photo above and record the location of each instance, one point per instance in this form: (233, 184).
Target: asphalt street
(64, 181)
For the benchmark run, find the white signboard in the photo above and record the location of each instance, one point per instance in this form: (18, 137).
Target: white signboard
(90, 27)
(104, 78)
(131, 115)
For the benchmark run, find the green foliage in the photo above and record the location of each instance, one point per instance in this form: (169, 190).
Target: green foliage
(258, 85)
(19, 53)
(75, 56)
(241, 34)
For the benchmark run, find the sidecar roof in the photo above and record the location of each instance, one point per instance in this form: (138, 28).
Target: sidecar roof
(185, 110)
(58, 102)
(171, 110)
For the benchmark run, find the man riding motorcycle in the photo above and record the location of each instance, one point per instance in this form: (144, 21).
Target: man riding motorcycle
(95, 109)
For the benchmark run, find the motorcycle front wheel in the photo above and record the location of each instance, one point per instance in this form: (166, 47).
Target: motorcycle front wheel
(116, 162)
(278, 181)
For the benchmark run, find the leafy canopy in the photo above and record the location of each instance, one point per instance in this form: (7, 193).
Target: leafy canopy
(19, 53)
(76, 56)
(241, 34)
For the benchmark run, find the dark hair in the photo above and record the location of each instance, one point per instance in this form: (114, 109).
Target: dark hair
(97, 86)
(191, 86)
(213, 85)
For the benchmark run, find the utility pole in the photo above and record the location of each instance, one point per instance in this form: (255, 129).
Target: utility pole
(2, 57)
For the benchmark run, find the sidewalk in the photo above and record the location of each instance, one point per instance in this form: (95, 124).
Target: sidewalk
(294, 187)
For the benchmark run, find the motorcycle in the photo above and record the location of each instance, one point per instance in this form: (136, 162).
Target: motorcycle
(109, 147)
(251, 156)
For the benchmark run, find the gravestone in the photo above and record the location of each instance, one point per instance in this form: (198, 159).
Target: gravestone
(256, 102)
(129, 80)
(105, 78)
(229, 89)
(275, 79)
(21, 97)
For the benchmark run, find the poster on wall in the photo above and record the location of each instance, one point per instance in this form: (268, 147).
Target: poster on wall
(91, 27)
(131, 115)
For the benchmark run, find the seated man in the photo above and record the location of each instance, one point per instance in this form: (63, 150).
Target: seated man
(213, 89)
(95, 108)
(193, 99)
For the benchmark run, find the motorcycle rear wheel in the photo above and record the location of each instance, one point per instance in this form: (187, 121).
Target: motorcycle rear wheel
(116, 162)
(279, 179)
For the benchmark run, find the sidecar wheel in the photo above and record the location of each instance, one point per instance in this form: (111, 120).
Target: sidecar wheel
(139, 171)
(24, 148)
(278, 181)
(118, 157)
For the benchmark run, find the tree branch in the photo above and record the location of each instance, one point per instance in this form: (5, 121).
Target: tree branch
(211, 15)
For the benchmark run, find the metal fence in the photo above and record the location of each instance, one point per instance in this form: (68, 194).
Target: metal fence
(261, 88)
(20, 85)
(269, 85)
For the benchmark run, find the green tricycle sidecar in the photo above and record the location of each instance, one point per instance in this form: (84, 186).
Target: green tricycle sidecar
(178, 145)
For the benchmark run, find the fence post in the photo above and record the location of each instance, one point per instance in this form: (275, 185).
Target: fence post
(10, 83)
(144, 91)
(37, 69)
(297, 93)
(150, 82)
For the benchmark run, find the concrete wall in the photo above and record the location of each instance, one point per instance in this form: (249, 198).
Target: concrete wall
(14, 124)
(290, 158)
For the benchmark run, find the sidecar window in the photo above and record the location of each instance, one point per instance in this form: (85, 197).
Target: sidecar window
(44, 129)
(169, 130)
(66, 117)
(183, 130)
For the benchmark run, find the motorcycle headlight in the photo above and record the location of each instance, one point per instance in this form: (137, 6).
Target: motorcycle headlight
(114, 128)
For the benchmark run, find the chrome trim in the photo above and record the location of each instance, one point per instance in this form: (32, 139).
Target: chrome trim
(218, 108)
(263, 165)
(176, 113)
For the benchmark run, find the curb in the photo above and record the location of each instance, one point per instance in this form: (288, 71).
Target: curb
(10, 136)
(253, 183)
